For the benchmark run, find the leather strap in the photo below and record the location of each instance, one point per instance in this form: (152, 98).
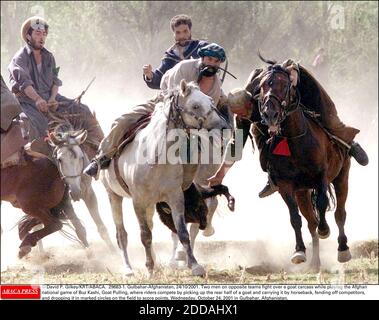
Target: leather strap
(118, 176)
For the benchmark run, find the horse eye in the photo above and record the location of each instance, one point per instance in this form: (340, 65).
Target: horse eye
(196, 107)
(270, 83)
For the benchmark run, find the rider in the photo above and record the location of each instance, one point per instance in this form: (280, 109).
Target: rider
(202, 70)
(184, 48)
(34, 80)
(243, 104)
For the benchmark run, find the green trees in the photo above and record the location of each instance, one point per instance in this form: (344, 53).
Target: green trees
(114, 39)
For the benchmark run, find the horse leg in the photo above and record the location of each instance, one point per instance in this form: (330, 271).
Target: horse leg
(50, 225)
(174, 262)
(304, 201)
(212, 206)
(322, 204)
(90, 200)
(176, 203)
(288, 196)
(144, 216)
(341, 188)
(39, 243)
(79, 228)
(121, 234)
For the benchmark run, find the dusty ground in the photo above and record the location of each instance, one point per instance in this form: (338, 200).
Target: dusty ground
(226, 262)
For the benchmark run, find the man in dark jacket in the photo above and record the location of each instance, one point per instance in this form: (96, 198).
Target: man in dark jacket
(183, 49)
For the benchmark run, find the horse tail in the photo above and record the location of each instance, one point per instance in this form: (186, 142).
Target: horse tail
(331, 198)
(272, 62)
(330, 195)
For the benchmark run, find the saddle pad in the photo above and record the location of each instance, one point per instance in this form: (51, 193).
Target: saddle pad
(12, 141)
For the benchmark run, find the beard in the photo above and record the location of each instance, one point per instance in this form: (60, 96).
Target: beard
(183, 42)
(37, 45)
(208, 71)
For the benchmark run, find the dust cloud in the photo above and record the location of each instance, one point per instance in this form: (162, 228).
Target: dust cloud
(263, 223)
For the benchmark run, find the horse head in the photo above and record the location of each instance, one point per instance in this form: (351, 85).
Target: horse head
(196, 110)
(69, 156)
(278, 95)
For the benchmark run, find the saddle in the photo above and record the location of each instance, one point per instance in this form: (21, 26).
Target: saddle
(128, 137)
(132, 132)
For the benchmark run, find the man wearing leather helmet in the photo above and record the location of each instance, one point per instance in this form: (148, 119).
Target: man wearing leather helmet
(34, 80)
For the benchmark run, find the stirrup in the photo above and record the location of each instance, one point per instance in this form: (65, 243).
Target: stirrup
(268, 190)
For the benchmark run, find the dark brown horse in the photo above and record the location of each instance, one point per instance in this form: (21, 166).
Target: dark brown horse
(302, 160)
(37, 188)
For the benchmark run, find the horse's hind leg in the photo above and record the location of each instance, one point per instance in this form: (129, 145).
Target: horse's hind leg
(212, 206)
(121, 234)
(304, 201)
(322, 204)
(144, 216)
(50, 225)
(90, 200)
(341, 189)
(287, 195)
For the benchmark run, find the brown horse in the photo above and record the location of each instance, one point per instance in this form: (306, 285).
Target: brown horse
(37, 188)
(301, 159)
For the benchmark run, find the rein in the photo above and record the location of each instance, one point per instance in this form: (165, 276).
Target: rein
(177, 118)
(293, 106)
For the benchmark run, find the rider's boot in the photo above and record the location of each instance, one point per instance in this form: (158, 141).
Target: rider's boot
(269, 189)
(357, 152)
(95, 165)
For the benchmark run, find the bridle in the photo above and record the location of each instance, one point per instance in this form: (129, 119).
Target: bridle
(58, 163)
(293, 105)
(177, 117)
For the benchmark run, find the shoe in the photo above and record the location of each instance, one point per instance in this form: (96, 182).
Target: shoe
(268, 190)
(357, 152)
(92, 169)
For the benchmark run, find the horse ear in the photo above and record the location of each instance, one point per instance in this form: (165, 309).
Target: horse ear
(184, 89)
(294, 75)
(81, 137)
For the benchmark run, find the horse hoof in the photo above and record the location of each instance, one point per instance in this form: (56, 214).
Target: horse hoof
(128, 272)
(344, 256)
(180, 256)
(176, 265)
(209, 231)
(198, 271)
(24, 251)
(298, 257)
(231, 205)
(323, 234)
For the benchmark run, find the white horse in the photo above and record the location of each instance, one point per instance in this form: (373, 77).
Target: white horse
(71, 160)
(149, 182)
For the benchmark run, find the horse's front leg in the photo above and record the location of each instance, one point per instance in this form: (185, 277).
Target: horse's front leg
(90, 200)
(176, 203)
(286, 191)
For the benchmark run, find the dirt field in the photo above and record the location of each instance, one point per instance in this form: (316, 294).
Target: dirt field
(226, 262)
